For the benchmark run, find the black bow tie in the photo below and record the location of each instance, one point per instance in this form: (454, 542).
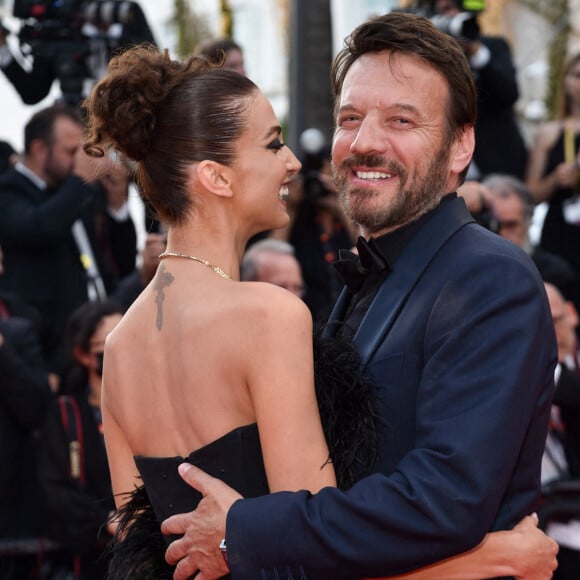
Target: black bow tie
(353, 268)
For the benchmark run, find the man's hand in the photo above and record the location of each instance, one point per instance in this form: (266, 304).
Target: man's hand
(88, 168)
(202, 529)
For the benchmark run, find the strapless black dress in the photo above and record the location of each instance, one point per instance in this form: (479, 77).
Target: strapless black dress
(352, 429)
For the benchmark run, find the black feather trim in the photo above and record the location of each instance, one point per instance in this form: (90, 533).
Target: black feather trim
(347, 402)
(141, 551)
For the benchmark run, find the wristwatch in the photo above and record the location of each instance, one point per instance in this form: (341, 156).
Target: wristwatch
(224, 551)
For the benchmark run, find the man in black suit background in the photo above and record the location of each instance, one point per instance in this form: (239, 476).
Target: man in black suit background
(48, 264)
(26, 390)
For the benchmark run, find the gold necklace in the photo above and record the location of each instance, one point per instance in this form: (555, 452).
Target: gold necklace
(216, 269)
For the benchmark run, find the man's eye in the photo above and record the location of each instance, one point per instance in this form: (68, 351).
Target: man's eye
(348, 119)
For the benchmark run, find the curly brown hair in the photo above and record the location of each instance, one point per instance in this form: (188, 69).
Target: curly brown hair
(164, 115)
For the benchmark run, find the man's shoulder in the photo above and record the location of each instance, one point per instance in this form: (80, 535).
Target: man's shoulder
(481, 248)
(14, 179)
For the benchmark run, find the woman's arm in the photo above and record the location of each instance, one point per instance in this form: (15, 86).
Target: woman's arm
(525, 553)
(279, 373)
(543, 186)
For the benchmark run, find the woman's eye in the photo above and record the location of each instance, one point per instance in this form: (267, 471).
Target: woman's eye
(276, 145)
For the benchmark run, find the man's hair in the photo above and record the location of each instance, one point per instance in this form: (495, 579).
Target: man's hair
(506, 185)
(41, 124)
(249, 265)
(407, 33)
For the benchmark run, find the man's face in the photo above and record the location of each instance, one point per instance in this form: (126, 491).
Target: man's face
(281, 270)
(447, 7)
(509, 213)
(235, 61)
(391, 156)
(60, 155)
(565, 320)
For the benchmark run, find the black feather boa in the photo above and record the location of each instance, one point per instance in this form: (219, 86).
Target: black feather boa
(352, 428)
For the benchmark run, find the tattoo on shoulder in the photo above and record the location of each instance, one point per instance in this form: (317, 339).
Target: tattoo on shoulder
(162, 280)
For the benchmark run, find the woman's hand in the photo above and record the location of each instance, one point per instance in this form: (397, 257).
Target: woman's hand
(535, 553)
(567, 175)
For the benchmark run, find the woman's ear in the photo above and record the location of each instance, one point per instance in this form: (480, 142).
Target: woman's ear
(214, 177)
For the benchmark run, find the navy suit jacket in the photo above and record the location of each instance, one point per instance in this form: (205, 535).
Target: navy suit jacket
(460, 343)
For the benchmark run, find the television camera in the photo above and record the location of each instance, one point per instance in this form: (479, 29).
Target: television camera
(462, 26)
(74, 37)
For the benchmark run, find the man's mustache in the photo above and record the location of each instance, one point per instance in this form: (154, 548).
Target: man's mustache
(370, 162)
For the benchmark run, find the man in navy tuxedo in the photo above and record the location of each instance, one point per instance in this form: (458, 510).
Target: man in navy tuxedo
(453, 327)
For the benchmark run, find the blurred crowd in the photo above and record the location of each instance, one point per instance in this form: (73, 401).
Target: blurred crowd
(70, 266)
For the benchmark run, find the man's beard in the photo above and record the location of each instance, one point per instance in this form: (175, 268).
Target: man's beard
(417, 193)
(55, 176)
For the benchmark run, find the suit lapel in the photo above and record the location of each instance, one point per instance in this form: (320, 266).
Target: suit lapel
(392, 295)
(337, 314)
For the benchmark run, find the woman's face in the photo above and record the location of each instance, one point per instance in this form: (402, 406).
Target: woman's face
(263, 169)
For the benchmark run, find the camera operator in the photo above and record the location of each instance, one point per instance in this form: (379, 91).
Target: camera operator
(70, 42)
(499, 145)
(32, 85)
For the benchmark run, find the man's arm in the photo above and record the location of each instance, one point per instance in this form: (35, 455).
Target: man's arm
(489, 341)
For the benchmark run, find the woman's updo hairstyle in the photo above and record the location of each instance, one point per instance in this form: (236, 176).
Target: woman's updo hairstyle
(164, 115)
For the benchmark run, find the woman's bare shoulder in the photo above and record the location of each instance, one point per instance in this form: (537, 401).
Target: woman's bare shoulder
(267, 304)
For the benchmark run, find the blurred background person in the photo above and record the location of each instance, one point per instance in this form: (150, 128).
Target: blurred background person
(499, 144)
(26, 390)
(114, 229)
(273, 261)
(225, 51)
(510, 208)
(318, 231)
(134, 283)
(8, 156)
(553, 174)
(77, 54)
(560, 512)
(72, 463)
(48, 222)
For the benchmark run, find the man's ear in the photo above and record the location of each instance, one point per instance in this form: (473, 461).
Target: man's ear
(462, 149)
(81, 356)
(215, 177)
(37, 149)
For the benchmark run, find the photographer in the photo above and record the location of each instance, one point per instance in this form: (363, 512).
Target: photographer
(499, 145)
(70, 42)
